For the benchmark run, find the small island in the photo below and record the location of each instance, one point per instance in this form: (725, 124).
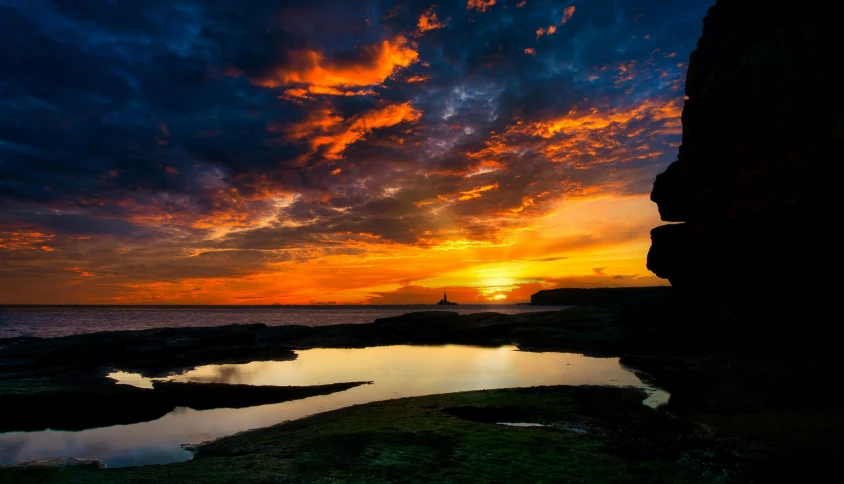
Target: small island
(445, 302)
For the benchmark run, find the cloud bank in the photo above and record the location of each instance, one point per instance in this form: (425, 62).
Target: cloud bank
(187, 151)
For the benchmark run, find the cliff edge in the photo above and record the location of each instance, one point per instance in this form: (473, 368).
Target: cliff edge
(754, 183)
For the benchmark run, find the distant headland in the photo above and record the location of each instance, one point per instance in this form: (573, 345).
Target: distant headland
(445, 302)
(599, 295)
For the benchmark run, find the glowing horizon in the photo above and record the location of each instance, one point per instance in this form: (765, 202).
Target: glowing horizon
(362, 153)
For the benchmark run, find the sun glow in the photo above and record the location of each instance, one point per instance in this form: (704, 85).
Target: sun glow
(581, 243)
(372, 153)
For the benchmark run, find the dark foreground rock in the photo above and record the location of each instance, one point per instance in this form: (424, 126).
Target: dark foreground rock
(107, 405)
(156, 352)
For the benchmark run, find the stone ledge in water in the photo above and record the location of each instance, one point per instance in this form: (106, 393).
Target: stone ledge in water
(124, 404)
(418, 317)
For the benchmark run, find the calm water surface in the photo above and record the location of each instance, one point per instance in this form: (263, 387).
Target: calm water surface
(397, 371)
(51, 321)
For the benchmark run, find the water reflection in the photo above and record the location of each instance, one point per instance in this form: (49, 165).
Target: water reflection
(397, 371)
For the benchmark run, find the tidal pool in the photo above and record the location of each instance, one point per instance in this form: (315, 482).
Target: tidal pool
(396, 371)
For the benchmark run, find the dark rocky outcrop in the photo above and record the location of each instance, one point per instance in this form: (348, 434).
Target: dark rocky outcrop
(754, 183)
(111, 404)
(155, 352)
(603, 296)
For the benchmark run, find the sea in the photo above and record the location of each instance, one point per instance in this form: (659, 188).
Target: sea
(54, 321)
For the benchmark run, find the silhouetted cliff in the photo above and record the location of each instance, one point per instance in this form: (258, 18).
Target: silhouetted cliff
(754, 181)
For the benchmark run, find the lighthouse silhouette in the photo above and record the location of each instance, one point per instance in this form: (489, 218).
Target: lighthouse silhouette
(445, 300)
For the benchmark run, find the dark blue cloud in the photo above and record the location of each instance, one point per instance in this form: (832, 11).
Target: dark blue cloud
(107, 101)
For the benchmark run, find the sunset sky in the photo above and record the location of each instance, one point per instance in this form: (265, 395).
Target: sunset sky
(260, 152)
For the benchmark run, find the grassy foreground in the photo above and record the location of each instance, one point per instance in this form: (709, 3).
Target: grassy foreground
(593, 434)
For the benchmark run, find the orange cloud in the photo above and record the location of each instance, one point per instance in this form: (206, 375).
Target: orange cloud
(568, 12)
(627, 72)
(234, 210)
(79, 271)
(317, 121)
(32, 240)
(597, 120)
(526, 202)
(429, 21)
(323, 127)
(530, 51)
(375, 63)
(542, 31)
(310, 92)
(223, 209)
(476, 192)
(480, 5)
(582, 138)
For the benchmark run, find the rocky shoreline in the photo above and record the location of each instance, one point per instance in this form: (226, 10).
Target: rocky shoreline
(35, 364)
(741, 340)
(732, 391)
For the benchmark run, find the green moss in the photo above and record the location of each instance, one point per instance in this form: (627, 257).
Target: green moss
(443, 438)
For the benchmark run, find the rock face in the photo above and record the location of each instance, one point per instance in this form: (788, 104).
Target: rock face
(754, 183)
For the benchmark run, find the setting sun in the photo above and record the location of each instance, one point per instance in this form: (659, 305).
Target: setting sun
(380, 171)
